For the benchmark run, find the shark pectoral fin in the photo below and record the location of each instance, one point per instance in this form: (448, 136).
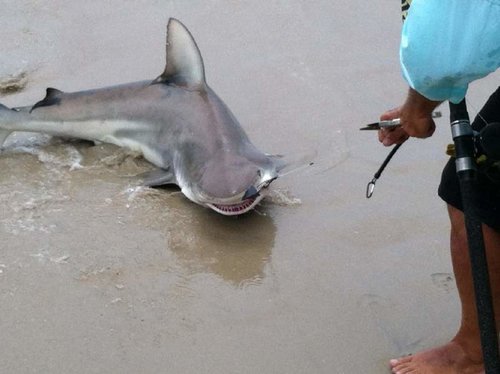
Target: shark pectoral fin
(279, 161)
(157, 177)
(184, 65)
(3, 135)
(288, 164)
(52, 97)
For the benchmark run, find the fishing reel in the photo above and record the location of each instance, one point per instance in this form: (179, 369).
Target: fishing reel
(487, 141)
(484, 149)
(487, 151)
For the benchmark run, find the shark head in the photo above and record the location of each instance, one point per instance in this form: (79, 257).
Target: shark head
(231, 184)
(220, 168)
(237, 184)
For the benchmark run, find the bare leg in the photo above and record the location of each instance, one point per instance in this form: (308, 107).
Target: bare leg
(462, 355)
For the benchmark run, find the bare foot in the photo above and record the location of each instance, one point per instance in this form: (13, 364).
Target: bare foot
(448, 359)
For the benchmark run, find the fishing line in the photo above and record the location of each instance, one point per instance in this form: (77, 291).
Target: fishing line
(370, 187)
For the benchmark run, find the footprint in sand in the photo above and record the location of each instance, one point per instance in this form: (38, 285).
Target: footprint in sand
(384, 315)
(444, 281)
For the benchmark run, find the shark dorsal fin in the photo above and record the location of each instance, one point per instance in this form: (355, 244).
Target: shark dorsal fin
(184, 62)
(52, 97)
(52, 92)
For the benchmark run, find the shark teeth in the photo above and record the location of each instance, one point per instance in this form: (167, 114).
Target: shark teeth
(236, 209)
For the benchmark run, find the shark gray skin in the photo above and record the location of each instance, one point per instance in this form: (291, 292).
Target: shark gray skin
(176, 121)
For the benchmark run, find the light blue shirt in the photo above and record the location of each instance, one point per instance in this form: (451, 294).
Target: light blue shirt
(446, 44)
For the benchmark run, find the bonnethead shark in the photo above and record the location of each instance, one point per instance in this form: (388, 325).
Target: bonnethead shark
(176, 121)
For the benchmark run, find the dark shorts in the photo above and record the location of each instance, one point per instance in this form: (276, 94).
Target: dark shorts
(488, 192)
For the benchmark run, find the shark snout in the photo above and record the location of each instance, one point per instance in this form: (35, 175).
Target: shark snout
(242, 202)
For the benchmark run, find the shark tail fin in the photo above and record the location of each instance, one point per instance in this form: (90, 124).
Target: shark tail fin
(3, 132)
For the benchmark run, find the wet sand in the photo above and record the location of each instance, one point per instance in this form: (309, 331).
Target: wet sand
(98, 275)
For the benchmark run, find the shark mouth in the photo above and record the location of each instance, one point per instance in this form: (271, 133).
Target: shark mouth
(238, 208)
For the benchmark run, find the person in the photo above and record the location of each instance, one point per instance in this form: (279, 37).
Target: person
(445, 45)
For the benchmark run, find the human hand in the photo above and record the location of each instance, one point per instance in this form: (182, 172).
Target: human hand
(415, 117)
(392, 135)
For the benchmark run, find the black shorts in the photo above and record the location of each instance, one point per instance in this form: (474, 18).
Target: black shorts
(488, 192)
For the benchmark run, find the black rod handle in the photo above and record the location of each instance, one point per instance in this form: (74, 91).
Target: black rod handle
(459, 111)
(465, 162)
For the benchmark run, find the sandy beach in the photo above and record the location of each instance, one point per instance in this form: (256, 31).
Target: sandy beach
(98, 275)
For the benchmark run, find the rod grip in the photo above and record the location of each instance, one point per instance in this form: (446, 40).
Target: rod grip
(458, 111)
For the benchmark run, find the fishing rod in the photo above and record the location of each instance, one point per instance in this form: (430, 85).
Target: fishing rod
(466, 146)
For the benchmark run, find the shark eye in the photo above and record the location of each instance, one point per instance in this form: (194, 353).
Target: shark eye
(267, 183)
(259, 173)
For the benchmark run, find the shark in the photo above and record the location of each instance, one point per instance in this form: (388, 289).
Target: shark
(176, 121)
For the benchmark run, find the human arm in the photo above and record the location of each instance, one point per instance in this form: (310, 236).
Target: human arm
(445, 45)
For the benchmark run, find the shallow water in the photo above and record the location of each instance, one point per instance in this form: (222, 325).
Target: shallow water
(98, 274)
